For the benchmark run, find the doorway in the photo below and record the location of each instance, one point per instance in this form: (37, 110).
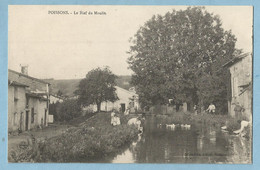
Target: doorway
(27, 120)
(45, 117)
(123, 107)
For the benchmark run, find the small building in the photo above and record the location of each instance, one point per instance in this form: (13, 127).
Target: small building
(128, 99)
(28, 101)
(240, 69)
(55, 98)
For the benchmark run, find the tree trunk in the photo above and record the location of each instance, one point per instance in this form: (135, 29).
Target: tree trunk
(98, 107)
(190, 106)
(201, 106)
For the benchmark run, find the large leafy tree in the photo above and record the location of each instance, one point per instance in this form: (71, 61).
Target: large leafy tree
(97, 87)
(180, 56)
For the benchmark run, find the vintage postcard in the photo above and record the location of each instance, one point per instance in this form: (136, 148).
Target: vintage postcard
(130, 84)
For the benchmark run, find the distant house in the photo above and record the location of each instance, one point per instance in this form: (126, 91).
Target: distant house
(55, 98)
(241, 84)
(28, 101)
(128, 99)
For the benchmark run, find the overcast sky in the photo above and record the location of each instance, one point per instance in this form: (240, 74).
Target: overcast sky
(68, 46)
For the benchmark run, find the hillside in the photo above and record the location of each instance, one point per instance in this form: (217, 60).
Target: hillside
(68, 86)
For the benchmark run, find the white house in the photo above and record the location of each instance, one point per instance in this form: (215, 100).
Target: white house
(127, 99)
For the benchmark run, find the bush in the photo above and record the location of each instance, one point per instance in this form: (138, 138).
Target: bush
(67, 110)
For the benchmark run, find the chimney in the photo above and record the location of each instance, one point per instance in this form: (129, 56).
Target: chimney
(24, 69)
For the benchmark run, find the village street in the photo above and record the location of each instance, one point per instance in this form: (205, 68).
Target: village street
(39, 134)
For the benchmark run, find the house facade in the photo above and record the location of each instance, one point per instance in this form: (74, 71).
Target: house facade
(241, 84)
(28, 102)
(16, 105)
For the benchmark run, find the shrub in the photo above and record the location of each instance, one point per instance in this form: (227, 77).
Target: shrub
(68, 110)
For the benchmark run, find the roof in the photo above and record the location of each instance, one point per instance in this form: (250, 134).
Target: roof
(54, 95)
(235, 60)
(21, 74)
(34, 95)
(127, 91)
(15, 83)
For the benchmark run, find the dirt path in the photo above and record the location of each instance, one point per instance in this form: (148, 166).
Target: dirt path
(48, 132)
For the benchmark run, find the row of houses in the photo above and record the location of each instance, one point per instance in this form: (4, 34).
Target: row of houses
(28, 101)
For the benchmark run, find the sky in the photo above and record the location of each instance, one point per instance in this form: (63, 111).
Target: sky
(68, 46)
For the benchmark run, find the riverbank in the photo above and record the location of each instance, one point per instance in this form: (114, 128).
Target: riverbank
(90, 139)
(210, 119)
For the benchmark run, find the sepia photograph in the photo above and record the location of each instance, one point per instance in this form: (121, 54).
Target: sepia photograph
(130, 84)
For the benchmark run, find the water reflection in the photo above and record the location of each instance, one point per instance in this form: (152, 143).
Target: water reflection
(126, 157)
(198, 144)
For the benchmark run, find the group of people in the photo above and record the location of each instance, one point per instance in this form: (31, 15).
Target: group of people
(137, 121)
(210, 109)
(115, 120)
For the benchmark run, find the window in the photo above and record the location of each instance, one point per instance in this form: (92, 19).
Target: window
(32, 115)
(15, 94)
(15, 118)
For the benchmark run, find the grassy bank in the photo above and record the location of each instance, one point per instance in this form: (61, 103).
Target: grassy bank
(91, 139)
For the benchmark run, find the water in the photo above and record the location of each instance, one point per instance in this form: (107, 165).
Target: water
(200, 143)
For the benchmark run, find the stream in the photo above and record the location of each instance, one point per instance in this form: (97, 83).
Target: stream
(201, 143)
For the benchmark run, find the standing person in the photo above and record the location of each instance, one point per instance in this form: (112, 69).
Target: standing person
(238, 111)
(211, 108)
(195, 109)
(113, 117)
(127, 111)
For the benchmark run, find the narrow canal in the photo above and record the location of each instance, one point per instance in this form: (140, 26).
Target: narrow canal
(200, 143)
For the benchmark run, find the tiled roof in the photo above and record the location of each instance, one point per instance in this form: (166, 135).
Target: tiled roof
(33, 84)
(235, 60)
(32, 78)
(14, 83)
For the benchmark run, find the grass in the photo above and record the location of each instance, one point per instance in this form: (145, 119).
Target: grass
(94, 138)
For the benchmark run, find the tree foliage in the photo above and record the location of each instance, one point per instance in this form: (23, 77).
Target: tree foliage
(59, 93)
(65, 111)
(180, 56)
(97, 87)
